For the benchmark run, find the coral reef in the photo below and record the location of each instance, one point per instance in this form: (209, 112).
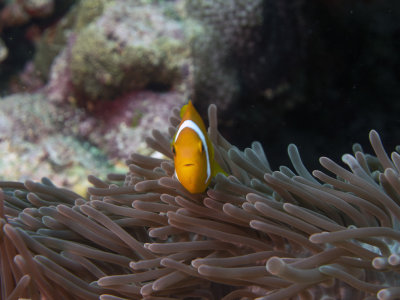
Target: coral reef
(22, 26)
(126, 60)
(128, 48)
(257, 233)
(36, 140)
(16, 13)
(120, 127)
(115, 48)
(42, 137)
(54, 39)
(135, 46)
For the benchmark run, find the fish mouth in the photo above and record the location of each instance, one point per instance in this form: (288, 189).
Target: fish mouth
(188, 165)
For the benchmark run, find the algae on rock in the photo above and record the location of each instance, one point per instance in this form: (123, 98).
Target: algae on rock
(127, 48)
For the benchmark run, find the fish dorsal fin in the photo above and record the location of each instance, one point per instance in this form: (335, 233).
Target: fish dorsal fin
(184, 108)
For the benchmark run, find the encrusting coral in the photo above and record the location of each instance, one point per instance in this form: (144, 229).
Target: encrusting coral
(127, 48)
(257, 233)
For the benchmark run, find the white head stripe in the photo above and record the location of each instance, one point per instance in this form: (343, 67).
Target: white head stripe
(192, 125)
(176, 175)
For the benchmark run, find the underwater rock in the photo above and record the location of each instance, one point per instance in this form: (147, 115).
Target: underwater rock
(121, 126)
(40, 136)
(27, 116)
(118, 126)
(54, 38)
(129, 47)
(33, 144)
(20, 12)
(13, 14)
(22, 24)
(38, 8)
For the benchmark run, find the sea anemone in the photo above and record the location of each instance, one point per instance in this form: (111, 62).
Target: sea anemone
(257, 233)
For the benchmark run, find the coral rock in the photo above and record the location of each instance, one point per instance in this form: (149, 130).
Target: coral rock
(129, 47)
(39, 8)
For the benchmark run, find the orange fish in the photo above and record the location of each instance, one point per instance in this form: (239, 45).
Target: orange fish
(193, 152)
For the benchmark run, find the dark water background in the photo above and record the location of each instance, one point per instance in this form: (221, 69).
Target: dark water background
(346, 83)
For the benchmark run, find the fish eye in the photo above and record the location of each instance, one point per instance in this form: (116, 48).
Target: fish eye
(201, 147)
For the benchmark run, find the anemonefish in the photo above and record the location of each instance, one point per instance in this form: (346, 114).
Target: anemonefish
(193, 152)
